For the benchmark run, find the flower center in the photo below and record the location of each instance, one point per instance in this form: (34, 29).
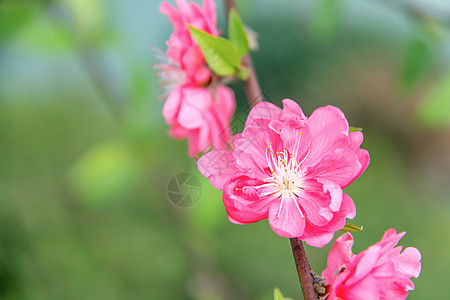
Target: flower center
(287, 176)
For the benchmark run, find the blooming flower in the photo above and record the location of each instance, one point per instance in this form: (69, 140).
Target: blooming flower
(198, 107)
(291, 170)
(380, 272)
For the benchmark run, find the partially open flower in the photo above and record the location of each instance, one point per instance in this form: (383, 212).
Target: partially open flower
(382, 272)
(291, 170)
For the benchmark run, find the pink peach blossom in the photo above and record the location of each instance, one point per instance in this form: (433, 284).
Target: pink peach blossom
(382, 272)
(200, 115)
(198, 107)
(183, 51)
(291, 170)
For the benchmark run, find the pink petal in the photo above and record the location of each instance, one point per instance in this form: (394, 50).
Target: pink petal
(250, 150)
(196, 101)
(174, 16)
(340, 254)
(316, 237)
(172, 105)
(179, 132)
(326, 140)
(363, 264)
(204, 138)
(225, 102)
(242, 202)
(286, 218)
(263, 111)
(339, 166)
(324, 117)
(316, 203)
(291, 110)
(295, 138)
(408, 262)
(334, 191)
(365, 289)
(192, 60)
(193, 143)
(356, 139)
(218, 167)
(209, 9)
(394, 290)
(390, 239)
(223, 111)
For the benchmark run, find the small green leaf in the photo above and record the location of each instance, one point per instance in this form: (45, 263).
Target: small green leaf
(435, 110)
(352, 228)
(277, 295)
(237, 33)
(354, 129)
(220, 54)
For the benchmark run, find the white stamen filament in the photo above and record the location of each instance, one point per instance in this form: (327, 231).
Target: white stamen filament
(287, 175)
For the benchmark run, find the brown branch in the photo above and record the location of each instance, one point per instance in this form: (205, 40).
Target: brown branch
(303, 269)
(252, 87)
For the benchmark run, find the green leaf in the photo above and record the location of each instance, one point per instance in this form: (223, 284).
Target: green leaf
(220, 54)
(237, 33)
(354, 129)
(277, 295)
(435, 110)
(352, 228)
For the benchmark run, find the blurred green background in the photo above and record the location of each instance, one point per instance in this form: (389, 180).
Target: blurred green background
(85, 158)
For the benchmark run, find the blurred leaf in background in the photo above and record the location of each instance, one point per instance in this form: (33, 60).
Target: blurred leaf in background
(105, 173)
(15, 15)
(435, 109)
(324, 20)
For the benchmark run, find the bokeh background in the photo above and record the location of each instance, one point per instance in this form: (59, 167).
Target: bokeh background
(85, 159)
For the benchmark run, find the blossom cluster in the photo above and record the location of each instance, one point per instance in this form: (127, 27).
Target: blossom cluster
(198, 107)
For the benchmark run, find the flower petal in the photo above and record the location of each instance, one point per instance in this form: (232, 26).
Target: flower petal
(242, 202)
(326, 140)
(172, 106)
(291, 110)
(316, 237)
(340, 254)
(324, 117)
(217, 166)
(364, 264)
(408, 262)
(286, 218)
(339, 166)
(263, 111)
(196, 101)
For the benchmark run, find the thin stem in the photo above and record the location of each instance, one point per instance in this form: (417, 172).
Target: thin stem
(252, 87)
(303, 269)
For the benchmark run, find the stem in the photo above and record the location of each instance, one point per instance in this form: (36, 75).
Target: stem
(252, 87)
(303, 269)
(254, 95)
